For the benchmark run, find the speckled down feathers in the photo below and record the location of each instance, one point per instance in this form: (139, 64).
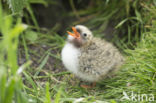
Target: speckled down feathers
(99, 58)
(90, 58)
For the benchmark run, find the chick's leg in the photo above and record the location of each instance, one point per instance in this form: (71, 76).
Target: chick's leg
(89, 86)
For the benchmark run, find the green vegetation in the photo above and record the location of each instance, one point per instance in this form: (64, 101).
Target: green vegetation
(30, 66)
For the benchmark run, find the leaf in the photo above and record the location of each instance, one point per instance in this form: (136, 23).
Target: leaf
(121, 23)
(38, 2)
(43, 63)
(138, 15)
(31, 35)
(48, 98)
(3, 80)
(10, 90)
(17, 5)
(58, 95)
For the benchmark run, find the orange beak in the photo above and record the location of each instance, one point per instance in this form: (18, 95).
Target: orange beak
(76, 34)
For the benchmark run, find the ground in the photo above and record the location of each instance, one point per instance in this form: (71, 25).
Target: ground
(47, 67)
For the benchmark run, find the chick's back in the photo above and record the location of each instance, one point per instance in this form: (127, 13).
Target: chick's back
(99, 58)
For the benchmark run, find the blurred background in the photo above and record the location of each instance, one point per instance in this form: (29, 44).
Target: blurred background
(107, 18)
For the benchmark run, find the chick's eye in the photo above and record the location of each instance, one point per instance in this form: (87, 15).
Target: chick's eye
(85, 34)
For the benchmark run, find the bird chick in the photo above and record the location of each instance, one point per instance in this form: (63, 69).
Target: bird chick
(88, 57)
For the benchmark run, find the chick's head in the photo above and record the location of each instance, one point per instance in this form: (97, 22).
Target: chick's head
(81, 36)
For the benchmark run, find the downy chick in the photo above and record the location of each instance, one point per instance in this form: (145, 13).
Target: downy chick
(90, 58)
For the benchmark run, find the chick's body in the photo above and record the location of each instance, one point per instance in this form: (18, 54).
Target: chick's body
(92, 60)
(98, 59)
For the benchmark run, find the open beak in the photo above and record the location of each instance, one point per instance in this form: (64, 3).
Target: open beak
(76, 34)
